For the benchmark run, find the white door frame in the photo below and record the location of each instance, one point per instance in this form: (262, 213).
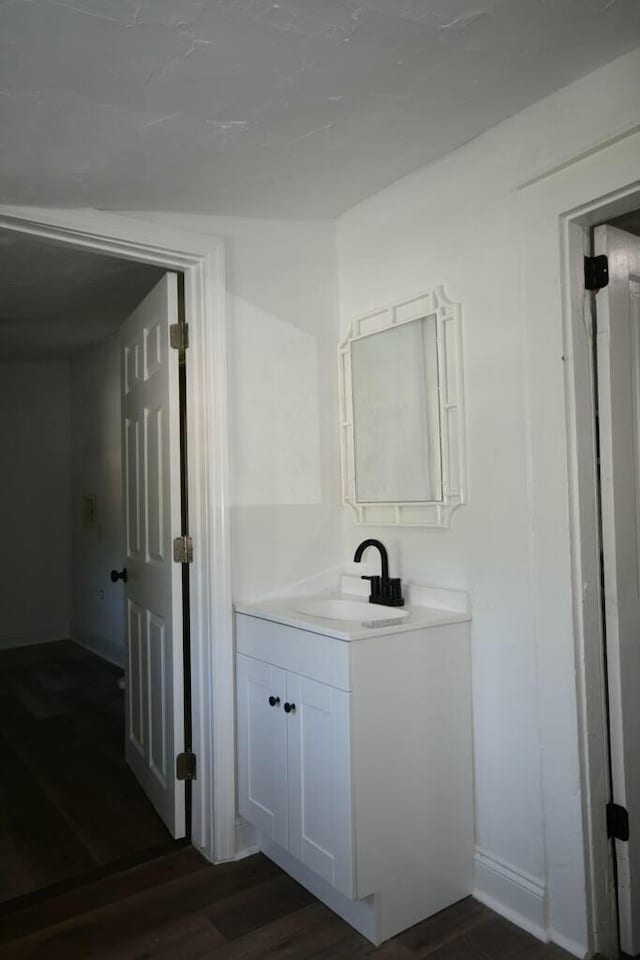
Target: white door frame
(201, 259)
(556, 210)
(587, 589)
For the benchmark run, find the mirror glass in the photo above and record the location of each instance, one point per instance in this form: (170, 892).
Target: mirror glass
(402, 423)
(396, 414)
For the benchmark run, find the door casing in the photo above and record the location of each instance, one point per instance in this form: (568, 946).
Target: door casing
(201, 260)
(551, 211)
(617, 391)
(587, 584)
(588, 600)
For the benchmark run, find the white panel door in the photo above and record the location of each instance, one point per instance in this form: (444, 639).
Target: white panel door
(151, 486)
(319, 780)
(262, 748)
(618, 312)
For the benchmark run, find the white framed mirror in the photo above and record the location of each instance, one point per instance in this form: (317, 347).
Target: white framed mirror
(402, 413)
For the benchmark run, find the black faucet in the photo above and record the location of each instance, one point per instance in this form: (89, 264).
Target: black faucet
(384, 589)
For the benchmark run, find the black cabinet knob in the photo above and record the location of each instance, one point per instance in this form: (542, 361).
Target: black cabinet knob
(289, 708)
(274, 701)
(119, 575)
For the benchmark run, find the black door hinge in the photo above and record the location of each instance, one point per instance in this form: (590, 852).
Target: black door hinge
(617, 822)
(183, 550)
(596, 272)
(186, 765)
(179, 336)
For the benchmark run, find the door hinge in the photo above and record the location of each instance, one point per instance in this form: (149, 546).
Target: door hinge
(179, 336)
(617, 822)
(183, 550)
(596, 272)
(186, 766)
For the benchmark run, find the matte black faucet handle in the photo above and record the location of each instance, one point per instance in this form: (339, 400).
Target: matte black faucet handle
(376, 587)
(375, 584)
(394, 592)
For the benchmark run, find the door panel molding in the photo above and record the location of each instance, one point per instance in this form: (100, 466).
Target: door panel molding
(135, 666)
(154, 580)
(201, 259)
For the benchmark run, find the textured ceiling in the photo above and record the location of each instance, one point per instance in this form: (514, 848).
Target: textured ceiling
(292, 108)
(54, 300)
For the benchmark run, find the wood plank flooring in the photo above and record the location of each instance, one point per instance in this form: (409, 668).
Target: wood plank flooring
(179, 907)
(68, 801)
(74, 821)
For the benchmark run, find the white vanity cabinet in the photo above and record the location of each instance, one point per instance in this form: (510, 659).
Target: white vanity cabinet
(262, 748)
(355, 766)
(294, 776)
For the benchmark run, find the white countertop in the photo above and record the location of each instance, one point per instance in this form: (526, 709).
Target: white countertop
(428, 607)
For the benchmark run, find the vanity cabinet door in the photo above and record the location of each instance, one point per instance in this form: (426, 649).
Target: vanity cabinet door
(262, 748)
(319, 779)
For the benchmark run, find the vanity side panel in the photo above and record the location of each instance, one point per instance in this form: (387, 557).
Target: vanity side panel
(413, 774)
(310, 654)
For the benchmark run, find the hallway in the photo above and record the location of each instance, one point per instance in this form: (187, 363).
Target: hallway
(68, 802)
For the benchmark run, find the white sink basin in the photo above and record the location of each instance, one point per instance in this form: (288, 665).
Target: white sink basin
(358, 610)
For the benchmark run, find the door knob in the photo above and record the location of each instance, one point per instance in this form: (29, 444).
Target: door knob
(274, 701)
(289, 708)
(119, 575)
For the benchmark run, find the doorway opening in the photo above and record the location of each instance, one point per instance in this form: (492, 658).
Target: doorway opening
(85, 655)
(200, 258)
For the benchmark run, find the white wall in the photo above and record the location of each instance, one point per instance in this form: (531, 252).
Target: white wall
(284, 455)
(97, 604)
(34, 493)
(459, 223)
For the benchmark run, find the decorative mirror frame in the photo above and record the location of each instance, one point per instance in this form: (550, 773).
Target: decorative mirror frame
(451, 405)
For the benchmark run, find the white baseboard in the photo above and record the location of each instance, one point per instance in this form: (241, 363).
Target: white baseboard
(575, 949)
(112, 653)
(513, 894)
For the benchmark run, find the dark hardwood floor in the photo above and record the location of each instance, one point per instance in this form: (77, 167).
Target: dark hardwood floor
(76, 839)
(179, 907)
(68, 801)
